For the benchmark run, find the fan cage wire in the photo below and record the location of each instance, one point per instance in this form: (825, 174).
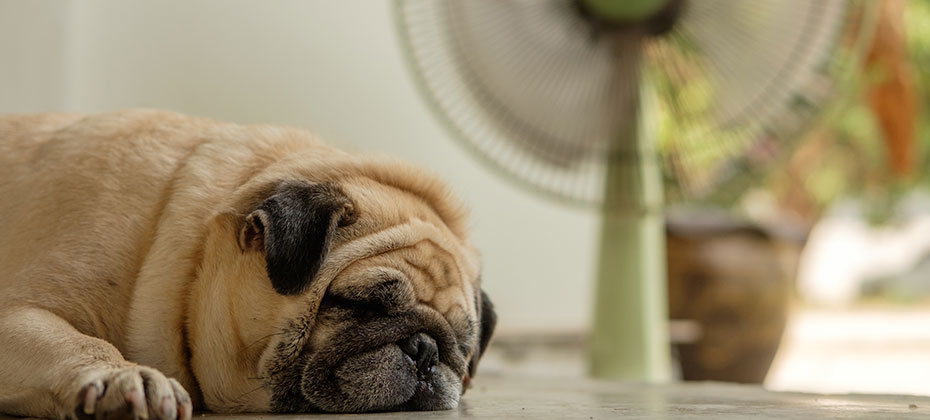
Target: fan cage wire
(744, 160)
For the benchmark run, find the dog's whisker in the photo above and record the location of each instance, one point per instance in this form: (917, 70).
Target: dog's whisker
(249, 392)
(263, 338)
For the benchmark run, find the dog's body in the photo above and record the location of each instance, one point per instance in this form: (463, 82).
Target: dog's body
(262, 269)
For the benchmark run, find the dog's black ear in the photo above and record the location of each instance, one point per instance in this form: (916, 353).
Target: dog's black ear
(488, 322)
(294, 227)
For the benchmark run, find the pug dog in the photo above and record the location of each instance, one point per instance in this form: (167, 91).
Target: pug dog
(153, 263)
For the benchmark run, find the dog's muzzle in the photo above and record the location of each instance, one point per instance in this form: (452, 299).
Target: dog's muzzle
(406, 375)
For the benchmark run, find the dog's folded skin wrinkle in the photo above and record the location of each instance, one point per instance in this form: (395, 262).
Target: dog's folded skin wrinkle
(261, 268)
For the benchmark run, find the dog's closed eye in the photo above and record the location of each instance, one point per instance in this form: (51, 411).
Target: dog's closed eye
(383, 290)
(360, 309)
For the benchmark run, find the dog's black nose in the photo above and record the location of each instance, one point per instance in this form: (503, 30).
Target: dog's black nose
(422, 349)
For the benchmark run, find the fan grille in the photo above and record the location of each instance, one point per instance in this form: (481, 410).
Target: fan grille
(531, 87)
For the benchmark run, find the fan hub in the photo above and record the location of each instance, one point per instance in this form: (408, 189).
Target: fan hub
(649, 17)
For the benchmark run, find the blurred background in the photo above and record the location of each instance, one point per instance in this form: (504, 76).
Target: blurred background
(815, 279)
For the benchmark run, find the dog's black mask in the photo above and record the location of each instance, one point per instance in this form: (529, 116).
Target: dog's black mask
(368, 355)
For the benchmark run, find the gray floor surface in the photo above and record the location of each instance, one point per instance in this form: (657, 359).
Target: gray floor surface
(513, 398)
(507, 398)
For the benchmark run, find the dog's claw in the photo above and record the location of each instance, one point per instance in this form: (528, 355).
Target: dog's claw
(185, 408)
(92, 392)
(136, 398)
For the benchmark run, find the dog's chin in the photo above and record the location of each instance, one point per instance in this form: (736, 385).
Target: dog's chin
(383, 379)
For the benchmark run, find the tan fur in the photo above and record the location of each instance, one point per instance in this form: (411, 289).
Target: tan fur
(118, 246)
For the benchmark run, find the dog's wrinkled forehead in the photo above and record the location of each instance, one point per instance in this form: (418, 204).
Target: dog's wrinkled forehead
(381, 207)
(429, 275)
(438, 267)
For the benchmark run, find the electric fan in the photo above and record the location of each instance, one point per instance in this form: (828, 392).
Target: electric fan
(620, 103)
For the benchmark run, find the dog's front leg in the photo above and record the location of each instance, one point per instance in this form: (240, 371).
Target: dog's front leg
(49, 369)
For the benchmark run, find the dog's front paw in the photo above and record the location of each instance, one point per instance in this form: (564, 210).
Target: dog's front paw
(133, 392)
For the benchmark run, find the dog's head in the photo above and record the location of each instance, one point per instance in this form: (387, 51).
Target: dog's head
(347, 295)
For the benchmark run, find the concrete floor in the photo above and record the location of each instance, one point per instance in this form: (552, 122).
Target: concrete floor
(495, 397)
(506, 398)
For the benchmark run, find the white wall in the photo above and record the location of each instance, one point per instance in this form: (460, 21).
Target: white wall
(33, 55)
(333, 67)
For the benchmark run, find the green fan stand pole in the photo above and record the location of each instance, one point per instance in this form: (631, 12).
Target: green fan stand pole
(630, 334)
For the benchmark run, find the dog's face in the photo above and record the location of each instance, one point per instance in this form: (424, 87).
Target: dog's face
(375, 301)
